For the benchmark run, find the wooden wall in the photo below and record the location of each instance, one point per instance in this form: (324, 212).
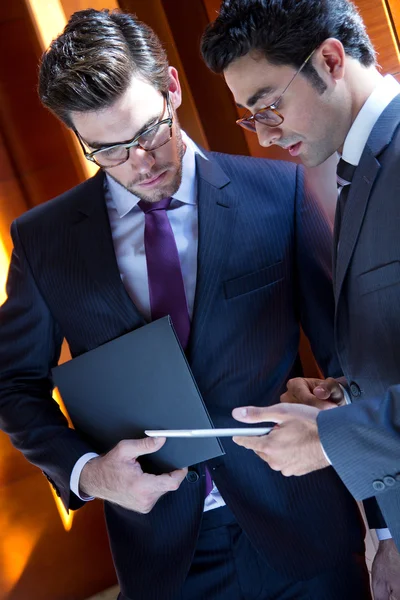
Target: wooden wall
(39, 558)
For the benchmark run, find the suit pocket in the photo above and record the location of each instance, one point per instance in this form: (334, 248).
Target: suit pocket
(379, 278)
(254, 281)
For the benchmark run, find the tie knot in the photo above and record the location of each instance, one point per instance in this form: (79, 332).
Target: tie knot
(147, 207)
(344, 172)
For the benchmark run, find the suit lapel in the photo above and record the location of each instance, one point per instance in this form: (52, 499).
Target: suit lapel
(353, 215)
(360, 190)
(336, 229)
(93, 235)
(216, 218)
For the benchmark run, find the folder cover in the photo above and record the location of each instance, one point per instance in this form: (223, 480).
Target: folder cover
(138, 381)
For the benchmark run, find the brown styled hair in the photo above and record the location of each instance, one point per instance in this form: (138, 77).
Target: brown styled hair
(90, 64)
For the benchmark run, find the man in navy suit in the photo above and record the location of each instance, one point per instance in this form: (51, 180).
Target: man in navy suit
(251, 242)
(306, 71)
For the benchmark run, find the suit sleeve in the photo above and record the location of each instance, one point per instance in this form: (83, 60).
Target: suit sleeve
(362, 441)
(30, 345)
(313, 289)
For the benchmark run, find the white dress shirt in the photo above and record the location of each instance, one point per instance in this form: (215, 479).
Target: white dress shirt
(127, 228)
(387, 89)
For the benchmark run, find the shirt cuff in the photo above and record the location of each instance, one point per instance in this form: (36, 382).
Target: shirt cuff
(346, 394)
(76, 474)
(325, 454)
(383, 534)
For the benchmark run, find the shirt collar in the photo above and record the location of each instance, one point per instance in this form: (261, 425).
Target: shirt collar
(387, 89)
(124, 201)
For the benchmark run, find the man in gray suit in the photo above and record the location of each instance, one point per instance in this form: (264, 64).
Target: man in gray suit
(305, 70)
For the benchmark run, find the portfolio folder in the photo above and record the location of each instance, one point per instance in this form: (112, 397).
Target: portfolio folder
(138, 381)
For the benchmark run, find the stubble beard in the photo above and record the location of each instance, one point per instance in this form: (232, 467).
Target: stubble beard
(174, 168)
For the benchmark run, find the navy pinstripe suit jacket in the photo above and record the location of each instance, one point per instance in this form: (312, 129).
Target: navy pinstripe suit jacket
(263, 268)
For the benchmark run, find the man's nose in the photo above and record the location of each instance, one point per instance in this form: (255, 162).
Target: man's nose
(267, 136)
(141, 160)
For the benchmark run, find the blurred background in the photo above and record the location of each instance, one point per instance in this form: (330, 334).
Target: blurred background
(46, 554)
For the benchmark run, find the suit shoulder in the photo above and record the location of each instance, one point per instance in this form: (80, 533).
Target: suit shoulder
(58, 209)
(236, 165)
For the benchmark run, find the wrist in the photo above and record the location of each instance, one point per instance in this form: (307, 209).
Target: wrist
(88, 478)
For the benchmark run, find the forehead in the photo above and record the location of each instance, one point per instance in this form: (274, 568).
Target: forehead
(127, 115)
(251, 74)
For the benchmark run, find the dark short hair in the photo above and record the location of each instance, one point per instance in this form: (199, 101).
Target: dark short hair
(90, 65)
(285, 32)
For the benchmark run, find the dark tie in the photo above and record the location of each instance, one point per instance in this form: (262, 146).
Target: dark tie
(166, 287)
(344, 176)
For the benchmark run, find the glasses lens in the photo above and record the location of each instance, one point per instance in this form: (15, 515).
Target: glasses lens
(269, 118)
(155, 136)
(247, 124)
(110, 157)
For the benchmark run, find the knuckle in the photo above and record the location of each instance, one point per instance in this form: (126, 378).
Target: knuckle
(145, 505)
(175, 484)
(120, 448)
(331, 383)
(123, 444)
(273, 465)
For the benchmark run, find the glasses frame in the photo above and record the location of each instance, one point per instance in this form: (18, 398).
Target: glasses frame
(251, 119)
(134, 142)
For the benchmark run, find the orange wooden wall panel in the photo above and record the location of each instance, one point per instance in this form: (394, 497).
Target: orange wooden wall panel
(394, 7)
(378, 28)
(34, 139)
(38, 559)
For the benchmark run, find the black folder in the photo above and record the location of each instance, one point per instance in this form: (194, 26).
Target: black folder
(138, 381)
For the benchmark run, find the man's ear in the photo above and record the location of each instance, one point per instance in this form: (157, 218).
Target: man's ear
(331, 58)
(175, 92)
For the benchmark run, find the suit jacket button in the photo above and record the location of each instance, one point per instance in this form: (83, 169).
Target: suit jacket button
(378, 485)
(355, 389)
(389, 480)
(192, 476)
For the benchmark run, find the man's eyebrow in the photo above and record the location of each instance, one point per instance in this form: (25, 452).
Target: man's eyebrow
(98, 145)
(264, 91)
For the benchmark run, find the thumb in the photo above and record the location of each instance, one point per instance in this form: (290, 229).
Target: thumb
(257, 414)
(322, 392)
(329, 390)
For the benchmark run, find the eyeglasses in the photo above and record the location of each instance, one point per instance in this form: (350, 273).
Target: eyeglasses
(151, 139)
(269, 115)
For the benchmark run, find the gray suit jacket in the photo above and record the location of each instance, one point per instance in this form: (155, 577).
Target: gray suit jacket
(363, 439)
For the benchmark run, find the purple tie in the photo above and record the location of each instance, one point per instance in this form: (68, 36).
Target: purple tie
(166, 288)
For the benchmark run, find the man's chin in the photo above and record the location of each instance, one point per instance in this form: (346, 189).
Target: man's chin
(157, 194)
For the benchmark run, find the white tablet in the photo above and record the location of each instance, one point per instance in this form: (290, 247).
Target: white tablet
(196, 433)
